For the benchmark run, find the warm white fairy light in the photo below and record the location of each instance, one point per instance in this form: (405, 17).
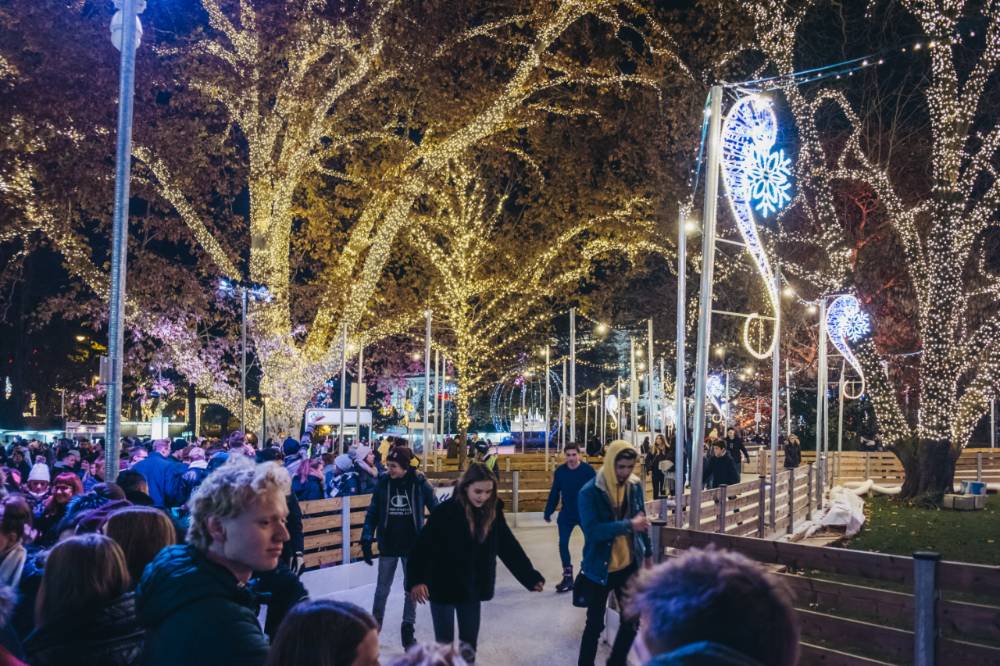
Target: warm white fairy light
(960, 360)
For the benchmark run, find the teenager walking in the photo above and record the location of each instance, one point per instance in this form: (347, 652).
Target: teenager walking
(454, 562)
(567, 481)
(616, 544)
(395, 518)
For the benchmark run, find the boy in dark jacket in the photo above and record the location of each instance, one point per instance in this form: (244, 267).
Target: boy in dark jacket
(720, 468)
(193, 599)
(395, 517)
(567, 481)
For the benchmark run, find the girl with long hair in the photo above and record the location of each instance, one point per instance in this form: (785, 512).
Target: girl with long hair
(84, 612)
(454, 562)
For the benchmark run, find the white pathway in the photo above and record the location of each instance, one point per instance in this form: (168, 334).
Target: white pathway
(518, 627)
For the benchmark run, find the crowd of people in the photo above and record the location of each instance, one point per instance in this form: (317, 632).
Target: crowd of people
(171, 562)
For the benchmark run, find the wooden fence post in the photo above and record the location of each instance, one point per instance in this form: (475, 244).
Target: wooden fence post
(656, 537)
(516, 483)
(820, 480)
(868, 465)
(791, 499)
(979, 466)
(761, 506)
(345, 529)
(721, 518)
(809, 490)
(507, 464)
(924, 607)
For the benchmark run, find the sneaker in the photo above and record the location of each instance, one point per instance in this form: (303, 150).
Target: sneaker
(407, 632)
(566, 585)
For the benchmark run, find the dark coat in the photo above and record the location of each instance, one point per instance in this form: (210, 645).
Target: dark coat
(293, 523)
(793, 455)
(196, 613)
(601, 526)
(107, 636)
(310, 489)
(422, 498)
(163, 475)
(721, 471)
(455, 567)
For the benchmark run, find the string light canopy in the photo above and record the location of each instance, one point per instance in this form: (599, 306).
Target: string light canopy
(757, 179)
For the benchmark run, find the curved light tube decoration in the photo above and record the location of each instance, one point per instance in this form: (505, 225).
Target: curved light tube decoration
(757, 181)
(847, 322)
(715, 389)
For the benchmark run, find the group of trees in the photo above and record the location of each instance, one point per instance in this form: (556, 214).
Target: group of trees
(366, 160)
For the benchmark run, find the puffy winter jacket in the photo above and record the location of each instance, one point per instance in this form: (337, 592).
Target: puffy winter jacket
(105, 636)
(196, 613)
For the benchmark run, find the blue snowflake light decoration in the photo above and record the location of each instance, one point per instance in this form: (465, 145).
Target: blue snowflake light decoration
(846, 321)
(757, 178)
(767, 179)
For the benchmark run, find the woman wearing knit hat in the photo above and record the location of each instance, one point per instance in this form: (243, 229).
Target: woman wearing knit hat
(38, 485)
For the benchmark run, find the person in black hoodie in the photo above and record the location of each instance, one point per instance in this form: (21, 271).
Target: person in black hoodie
(193, 599)
(454, 562)
(86, 615)
(793, 452)
(396, 516)
(720, 468)
(735, 446)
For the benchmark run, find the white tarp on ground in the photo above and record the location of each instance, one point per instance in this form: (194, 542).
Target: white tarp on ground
(843, 508)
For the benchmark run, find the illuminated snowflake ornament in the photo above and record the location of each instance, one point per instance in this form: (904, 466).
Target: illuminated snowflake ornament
(767, 179)
(846, 321)
(716, 390)
(757, 179)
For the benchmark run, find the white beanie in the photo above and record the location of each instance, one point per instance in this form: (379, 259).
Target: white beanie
(40, 472)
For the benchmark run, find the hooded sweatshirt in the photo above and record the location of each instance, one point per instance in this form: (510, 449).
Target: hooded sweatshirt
(621, 549)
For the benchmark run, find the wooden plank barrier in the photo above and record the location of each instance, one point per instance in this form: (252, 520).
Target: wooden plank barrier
(859, 621)
(327, 524)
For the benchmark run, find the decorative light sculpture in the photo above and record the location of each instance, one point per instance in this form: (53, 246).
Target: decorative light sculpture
(846, 321)
(716, 391)
(756, 179)
(611, 405)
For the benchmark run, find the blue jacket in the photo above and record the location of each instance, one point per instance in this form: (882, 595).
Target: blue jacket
(164, 477)
(601, 526)
(703, 653)
(568, 482)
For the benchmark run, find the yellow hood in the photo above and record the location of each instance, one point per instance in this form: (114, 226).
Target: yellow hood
(606, 479)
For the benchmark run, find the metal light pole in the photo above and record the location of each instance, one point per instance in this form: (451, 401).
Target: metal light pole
(243, 362)
(427, 376)
(343, 387)
(562, 409)
(680, 423)
(129, 42)
(775, 397)
(840, 408)
(633, 391)
(523, 414)
(705, 299)
(993, 424)
(547, 421)
(788, 397)
(821, 381)
(361, 390)
(572, 374)
(651, 385)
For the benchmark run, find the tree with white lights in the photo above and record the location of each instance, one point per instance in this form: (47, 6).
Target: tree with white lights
(942, 220)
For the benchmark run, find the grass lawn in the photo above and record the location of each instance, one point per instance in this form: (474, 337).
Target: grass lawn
(896, 528)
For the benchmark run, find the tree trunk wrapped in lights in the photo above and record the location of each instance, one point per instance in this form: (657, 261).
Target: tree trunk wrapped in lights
(941, 228)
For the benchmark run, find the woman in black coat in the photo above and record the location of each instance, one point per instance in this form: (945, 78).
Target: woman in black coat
(454, 561)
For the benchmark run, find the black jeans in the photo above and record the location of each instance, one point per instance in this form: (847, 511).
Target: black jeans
(565, 531)
(627, 630)
(443, 617)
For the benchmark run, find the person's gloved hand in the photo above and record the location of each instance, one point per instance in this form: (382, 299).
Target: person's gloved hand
(548, 517)
(366, 552)
(297, 564)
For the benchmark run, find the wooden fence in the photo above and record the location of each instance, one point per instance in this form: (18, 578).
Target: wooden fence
(859, 608)
(332, 529)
